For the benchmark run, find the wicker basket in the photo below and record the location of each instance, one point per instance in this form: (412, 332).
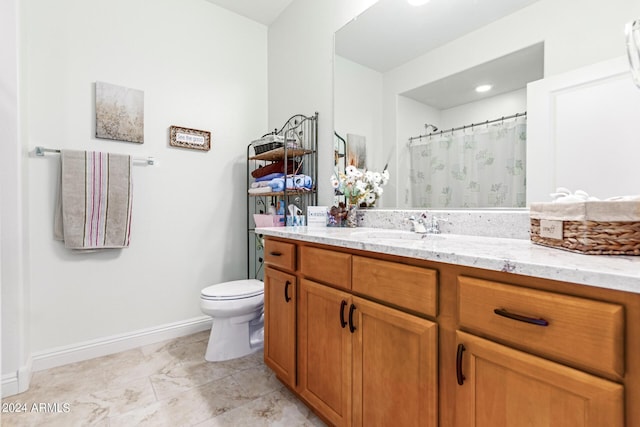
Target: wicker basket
(267, 143)
(271, 142)
(595, 228)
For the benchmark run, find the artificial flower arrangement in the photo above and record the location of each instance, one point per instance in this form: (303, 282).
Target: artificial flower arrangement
(362, 188)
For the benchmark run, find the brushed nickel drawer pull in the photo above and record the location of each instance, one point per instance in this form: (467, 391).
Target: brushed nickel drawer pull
(504, 313)
(459, 375)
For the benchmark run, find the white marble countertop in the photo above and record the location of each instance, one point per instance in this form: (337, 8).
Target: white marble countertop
(517, 256)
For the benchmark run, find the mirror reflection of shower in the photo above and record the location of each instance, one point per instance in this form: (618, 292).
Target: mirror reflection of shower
(470, 166)
(433, 128)
(632, 31)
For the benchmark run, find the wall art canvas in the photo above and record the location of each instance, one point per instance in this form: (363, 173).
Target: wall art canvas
(356, 151)
(119, 113)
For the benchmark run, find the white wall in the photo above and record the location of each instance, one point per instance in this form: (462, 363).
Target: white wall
(358, 106)
(584, 124)
(199, 66)
(15, 338)
(487, 109)
(301, 70)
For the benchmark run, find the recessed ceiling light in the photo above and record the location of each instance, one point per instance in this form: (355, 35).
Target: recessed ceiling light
(417, 2)
(483, 88)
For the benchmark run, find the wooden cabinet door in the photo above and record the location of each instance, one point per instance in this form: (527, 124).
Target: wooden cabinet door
(280, 324)
(395, 372)
(324, 353)
(507, 387)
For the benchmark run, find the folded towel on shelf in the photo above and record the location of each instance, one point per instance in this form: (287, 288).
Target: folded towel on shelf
(293, 182)
(260, 190)
(299, 181)
(270, 177)
(276, 167)
(94, 200)
(259, 184)
(277, 184)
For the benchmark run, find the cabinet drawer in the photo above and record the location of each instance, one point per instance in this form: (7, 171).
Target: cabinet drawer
(580, 331)
(326, 266)
(280, 254)
(405, 286)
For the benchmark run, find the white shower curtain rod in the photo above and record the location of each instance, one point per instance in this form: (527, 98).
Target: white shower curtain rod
(501, 119)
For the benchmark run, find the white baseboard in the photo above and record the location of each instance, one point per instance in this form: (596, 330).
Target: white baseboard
(10, 384)
(103, 346)
(18, 382)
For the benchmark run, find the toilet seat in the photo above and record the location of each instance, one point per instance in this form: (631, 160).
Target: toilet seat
(234, 290)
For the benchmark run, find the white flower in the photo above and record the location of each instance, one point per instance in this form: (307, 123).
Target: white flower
(360, 187)
(371, 198)
(352, 171)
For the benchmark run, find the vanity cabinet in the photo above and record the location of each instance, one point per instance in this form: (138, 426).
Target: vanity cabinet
(280, 324)
(395, 367)
(538, 373)
(576, 331)
(325, 351)
(378, 340)
(363, 363)
(501, 387)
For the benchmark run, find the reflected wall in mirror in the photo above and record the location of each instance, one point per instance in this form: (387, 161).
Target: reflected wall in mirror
(401, 71)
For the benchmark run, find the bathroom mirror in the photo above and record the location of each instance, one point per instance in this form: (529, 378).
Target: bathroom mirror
(402, 71)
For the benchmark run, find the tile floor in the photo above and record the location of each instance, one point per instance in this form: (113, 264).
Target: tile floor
(164, 384)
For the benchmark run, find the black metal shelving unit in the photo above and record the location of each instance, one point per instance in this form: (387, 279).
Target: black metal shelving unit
(300, 138)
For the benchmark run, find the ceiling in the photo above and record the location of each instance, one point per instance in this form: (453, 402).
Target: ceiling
(384, 47)
(508, 73)
(263, 11)
(410, 31)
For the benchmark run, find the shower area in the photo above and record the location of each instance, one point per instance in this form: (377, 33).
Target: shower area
(479, 165)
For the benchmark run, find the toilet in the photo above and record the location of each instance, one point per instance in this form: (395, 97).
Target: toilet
(237, 309)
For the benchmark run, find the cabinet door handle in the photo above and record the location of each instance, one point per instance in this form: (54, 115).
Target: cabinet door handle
(352, 327)
(287, 298)
(504, 313)
(275, 253)
(461, 377)
(343, 305)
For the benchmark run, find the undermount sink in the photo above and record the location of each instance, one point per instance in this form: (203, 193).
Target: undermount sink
(394, 235)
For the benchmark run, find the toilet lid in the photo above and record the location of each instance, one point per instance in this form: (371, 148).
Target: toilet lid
(237, 289)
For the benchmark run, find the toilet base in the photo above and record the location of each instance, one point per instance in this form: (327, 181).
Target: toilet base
(230, 340)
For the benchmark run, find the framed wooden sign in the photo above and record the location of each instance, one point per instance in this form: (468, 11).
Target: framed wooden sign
(189, 138)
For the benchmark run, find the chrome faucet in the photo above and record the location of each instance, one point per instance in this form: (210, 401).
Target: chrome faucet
(434, 225)
(418, 224)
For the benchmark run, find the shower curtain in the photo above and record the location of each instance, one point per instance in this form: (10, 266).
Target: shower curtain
(474, 168)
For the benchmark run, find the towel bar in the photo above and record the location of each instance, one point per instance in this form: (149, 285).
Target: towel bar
(40, 151)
